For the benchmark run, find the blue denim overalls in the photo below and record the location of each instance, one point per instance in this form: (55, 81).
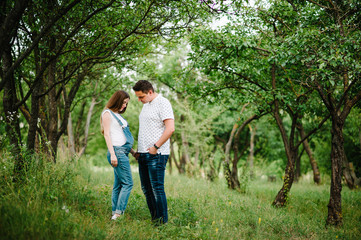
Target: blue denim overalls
(128, 135)
(123, 181)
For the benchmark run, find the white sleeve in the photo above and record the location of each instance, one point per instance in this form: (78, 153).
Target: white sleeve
(166, 111)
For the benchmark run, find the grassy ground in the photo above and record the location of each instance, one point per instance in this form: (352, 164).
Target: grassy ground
(72, 201)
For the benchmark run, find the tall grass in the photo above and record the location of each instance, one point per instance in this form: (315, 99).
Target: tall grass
(71, 200)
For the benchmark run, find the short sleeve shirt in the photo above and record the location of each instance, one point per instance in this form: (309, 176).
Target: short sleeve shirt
(116, 131)
(151, 125)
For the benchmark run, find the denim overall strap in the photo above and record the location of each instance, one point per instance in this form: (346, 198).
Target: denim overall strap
(128, 135)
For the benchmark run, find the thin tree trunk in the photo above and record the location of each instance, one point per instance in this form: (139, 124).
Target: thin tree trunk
(52, 106)
(185, 148)
(306, 146)
(238, 153)
(35, 101)
(171, 157)
(227, 171)
(87, 125)
(251, 151)
(185, 159)
(78, 127)
(212, 174)
(353, 175)
(178, 165)
(34, 116)
(359, 134)
(232, 176)
(298, 168)
(349, 175)
(282, 196)
(71, 143)
(196, 157)
(235, 184)
(298, 164)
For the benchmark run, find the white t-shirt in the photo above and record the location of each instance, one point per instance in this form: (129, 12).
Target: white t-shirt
(151, 125)
(116, 131)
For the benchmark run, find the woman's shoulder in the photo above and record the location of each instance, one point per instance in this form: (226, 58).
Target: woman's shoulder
(105, 111)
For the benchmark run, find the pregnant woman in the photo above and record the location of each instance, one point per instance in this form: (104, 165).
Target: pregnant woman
(119, 142)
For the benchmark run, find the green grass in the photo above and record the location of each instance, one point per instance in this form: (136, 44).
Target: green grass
(72, 201)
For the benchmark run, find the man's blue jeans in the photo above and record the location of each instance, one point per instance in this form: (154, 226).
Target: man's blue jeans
(123, 182)
(151, 172)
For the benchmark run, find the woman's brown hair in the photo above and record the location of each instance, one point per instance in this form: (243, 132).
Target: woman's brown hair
(115, 103)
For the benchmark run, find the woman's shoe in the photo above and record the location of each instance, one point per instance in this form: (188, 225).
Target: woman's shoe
(116, 216)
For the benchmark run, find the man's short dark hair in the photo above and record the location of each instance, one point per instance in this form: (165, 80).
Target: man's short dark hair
(144, 86)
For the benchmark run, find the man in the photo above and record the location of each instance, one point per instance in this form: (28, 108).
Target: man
(156, 126)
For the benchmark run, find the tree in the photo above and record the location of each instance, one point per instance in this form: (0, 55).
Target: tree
(247, 63)
(59, 46)
(329, 52)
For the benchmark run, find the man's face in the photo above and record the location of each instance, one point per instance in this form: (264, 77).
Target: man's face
(144, 97)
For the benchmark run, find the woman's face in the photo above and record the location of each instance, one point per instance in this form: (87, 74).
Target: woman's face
(125, 103)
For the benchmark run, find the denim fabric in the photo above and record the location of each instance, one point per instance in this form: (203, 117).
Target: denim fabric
(123, 182)
(152, 172)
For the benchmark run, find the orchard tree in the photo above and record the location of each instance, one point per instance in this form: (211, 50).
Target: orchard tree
(245, 63)
(56, 45)
(327, 44)
(284, 53)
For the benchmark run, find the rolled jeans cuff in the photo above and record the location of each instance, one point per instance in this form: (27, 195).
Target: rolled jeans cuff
(118, 212)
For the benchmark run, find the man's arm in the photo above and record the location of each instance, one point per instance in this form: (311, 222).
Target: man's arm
(169, 129)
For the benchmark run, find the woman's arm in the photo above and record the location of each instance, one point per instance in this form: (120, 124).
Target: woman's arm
(106, 121)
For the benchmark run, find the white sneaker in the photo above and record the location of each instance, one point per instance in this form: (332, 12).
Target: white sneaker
(115, 216)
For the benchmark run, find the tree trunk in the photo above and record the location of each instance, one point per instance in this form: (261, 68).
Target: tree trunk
(87, 125)
(196, 157)
(35, 106)
(298, 168)
(52, 108)
(71, 143)
(185, 148)
(227, 171)
(359, 134)
(171, 157)
(78, 127)
(11, 112)
(282, 196)
(235, 184)
(251, 151)
(33, 123)
(349, 174)
(306, 146)
(238, 154)
(337, 155)
(179, 165)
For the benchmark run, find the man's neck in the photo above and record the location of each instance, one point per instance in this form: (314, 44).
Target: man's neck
(154, 96)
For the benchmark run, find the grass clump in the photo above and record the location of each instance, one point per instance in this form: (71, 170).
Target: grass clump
(50, 201)
(71, 200)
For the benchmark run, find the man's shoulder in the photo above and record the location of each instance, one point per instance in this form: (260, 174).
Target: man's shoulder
(162, 100)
